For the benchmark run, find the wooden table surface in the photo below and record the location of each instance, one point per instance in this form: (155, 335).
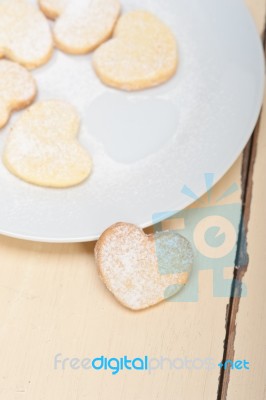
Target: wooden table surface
(51, 301)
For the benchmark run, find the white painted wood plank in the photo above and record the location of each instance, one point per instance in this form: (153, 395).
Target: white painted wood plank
(251, 318)
(52, 301)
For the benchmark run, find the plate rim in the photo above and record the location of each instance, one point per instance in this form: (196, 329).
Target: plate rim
(188, 202)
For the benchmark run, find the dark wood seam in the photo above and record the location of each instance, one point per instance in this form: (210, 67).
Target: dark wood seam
(241, 262)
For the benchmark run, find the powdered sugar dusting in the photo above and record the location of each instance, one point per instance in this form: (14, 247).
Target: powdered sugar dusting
(142, 54)
(24, 33)
(42, 146)
(138, 186)
(17, 88)
(138, 269)
(83, 25)
(53, 8)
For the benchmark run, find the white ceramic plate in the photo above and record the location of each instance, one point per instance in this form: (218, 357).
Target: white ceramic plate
(147, 145)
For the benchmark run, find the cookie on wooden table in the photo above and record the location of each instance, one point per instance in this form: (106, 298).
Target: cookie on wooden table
(142, 270)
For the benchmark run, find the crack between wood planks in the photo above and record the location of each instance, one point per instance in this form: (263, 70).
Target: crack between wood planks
(241, 261)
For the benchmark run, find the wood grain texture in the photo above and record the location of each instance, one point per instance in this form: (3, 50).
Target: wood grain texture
(258, 9)
(241, 262)
(251, 317)
(52, 301)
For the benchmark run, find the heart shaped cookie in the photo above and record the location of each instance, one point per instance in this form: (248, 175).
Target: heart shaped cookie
(81, 25)
(142, 53)
(17, 89)
(25, 35)
(142, 270)
(42, 146)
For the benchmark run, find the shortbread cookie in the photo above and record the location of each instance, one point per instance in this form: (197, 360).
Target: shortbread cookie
(81, 25)
(42, 146)
(17, 89)
(25, 35)
(142, 53)
(142, 270)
